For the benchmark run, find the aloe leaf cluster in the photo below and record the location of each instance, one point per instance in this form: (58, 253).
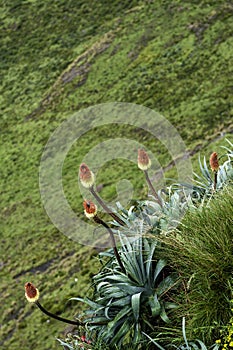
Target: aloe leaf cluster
(131, 302)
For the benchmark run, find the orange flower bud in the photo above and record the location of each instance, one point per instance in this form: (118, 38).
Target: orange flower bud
(214, 161)
(144, 162)
(86, 176)
(90, 209)
(31, 292)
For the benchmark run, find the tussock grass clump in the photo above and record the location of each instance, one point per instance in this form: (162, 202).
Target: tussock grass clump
(202, 253)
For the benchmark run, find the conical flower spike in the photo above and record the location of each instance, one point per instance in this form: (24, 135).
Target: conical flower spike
(31, 292)
(214, 162)
(144, 162)
(86, 176)
(90, 209)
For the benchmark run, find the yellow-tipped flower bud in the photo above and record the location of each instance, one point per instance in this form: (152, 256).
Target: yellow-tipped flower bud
(214, 161)
(144, 162)
(90, 209)
(86, 176)
(31, 292)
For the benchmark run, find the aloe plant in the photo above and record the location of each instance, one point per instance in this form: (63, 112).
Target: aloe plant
(131, 302)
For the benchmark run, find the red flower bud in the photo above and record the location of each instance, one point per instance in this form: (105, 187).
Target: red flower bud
(31, 292)
(144, 162)
(86, 176)
(214, 161)
(90, 209)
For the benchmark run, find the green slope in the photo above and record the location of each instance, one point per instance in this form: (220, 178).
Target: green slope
(59, 57)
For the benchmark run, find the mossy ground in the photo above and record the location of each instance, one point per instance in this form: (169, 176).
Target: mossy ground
(59, 57)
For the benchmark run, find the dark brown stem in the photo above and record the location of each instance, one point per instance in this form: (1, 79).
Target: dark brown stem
(65, 320)
(61, 319)
(100, 221)
(105, 207)
(155, 194)
(215, 180)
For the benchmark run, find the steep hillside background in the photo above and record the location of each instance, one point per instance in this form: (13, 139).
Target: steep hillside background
(58, 57)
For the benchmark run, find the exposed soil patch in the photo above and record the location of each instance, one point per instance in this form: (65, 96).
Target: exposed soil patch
(40, 268)
(79, 68)
(43, 267)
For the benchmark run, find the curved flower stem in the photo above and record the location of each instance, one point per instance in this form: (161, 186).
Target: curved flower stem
(105, 207)
(100, 221)
(61, 319)
(155, 194)
(65, 320)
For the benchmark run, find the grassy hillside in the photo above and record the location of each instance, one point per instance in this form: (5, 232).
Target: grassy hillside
(59, 57)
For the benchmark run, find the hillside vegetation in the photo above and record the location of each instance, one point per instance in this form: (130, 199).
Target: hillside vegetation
(62, 56)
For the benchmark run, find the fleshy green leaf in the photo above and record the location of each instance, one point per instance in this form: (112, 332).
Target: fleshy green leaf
(135, 302)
